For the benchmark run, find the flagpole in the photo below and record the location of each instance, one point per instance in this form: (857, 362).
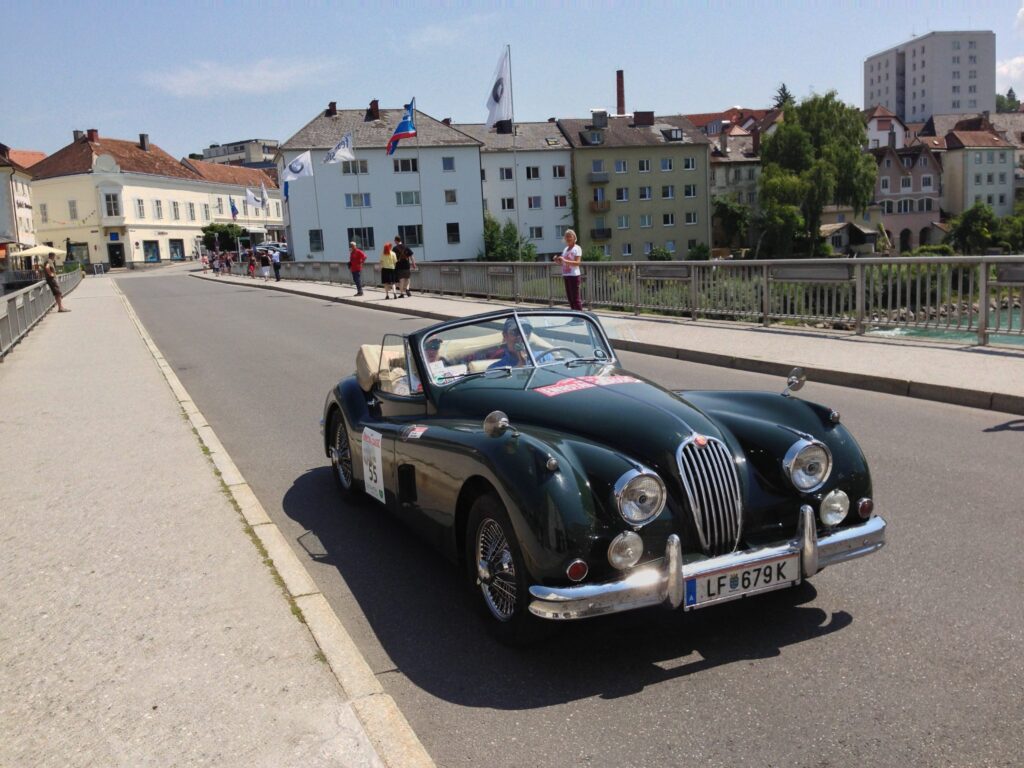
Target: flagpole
(515, 157)
(316, 205)
(419, 180)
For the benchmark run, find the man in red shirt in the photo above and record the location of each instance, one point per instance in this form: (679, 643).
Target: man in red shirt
(355, 265)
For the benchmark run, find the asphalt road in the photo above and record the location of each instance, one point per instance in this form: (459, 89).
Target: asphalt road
(909, 657)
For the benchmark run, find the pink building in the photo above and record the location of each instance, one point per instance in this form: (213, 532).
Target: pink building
(909, 191)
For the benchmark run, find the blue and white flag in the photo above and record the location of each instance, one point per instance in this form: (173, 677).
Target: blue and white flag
(406, 128)
(234, 209)
(299, 167)
(341, 151)
(253, 199)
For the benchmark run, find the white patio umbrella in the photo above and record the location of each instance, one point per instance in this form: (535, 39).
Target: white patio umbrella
(39, 250)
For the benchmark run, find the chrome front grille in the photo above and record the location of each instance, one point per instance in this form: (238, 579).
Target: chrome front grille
(713, 489)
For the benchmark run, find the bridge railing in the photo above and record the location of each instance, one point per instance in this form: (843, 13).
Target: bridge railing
(21, 310)
(976, 295)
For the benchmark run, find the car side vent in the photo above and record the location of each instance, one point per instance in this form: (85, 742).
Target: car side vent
(713, 490)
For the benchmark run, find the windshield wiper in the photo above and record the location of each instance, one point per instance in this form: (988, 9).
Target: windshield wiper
(585, 361)
(506, 369)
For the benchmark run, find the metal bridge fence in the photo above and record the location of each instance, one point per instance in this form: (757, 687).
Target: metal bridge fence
(979, 296)
(21, 310)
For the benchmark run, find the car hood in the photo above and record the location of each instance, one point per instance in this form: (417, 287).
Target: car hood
(597, 402)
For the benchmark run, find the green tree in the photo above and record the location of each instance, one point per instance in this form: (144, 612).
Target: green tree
(222, 237)
(659, 254)
(504, 243)
(783, 98)
(699, 252)
(971, 232)
(1007, 103)
(733, 217)
(594, 253)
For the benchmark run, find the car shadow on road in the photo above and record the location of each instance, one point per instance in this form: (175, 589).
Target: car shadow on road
(425, 618)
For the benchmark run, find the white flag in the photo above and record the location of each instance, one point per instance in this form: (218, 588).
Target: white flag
(341, 151)
(499, 100)
(252, 198)
(264, 197)
(299, 167)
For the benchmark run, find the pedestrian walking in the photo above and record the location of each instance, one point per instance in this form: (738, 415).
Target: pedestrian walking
(206, 263)
(387, 271)
(252, 266)
(216, 265)
(356, 259)
(570, 259)
(405, 262)
(275, 260)
(264, 266)
(50, 274)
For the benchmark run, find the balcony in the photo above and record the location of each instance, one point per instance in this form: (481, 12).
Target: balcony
(600, 206)
(598, 177)
(601, 234)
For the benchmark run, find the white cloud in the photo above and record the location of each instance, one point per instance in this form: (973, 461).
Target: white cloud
(215, 79)
(1019, 23)
(1010, 73)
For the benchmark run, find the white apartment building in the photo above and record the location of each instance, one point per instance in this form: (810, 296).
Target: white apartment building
(16, 227)
(941, 72)
(428, 191)
(977, 168)
(527, 179)
(117, 202)
(250, 152)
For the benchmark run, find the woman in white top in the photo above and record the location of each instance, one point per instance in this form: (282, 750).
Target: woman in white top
(570, 261)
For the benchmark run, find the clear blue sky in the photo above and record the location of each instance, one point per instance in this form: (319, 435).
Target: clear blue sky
(190, 74)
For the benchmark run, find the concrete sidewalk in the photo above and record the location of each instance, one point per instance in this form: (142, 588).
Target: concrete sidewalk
(978, 377)
(144, 621)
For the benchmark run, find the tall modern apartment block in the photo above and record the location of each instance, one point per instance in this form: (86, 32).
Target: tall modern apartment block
(937, 73)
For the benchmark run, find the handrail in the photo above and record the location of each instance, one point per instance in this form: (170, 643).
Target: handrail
(21, 310)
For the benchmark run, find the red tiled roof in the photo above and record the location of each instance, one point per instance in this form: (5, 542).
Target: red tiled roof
(231, 174)
(735, 115)
(26, 158)
(879, 111)
(78, 157)
(960, 139)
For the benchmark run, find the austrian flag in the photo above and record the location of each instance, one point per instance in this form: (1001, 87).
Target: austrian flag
(406, 128)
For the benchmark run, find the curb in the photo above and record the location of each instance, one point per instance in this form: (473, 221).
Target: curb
(389, 732)
(969, 398)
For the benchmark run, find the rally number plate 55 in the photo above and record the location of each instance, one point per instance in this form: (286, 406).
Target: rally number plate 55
(737, 582)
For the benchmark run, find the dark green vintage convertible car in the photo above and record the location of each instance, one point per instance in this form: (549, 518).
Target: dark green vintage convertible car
(568, 487)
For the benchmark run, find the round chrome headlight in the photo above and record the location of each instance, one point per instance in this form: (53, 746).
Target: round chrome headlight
(625, 550)
(808, 464)
(834, 507)
(640, 496)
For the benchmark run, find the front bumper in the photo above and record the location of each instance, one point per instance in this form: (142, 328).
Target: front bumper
(665, 584)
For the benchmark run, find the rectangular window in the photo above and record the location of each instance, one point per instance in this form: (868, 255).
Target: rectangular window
(560, 230)
(1002, 178)
(668, 191)
(691, 217)
(175, 210)
(508, 203)
(483, 175)
(1002, 157)
(73, 210)
(532, 172)
(536, 233)
(558, 171)
(690, 190)
(316, 240)
(450, 197)
(112, 204)
(627, 250)
(644, 166)
(505, 174)
(751, 197)
(597, 166)
(1002, 199)
(884, 181)
(646, 220)
(926, 182)
(622, 222)
(411, 234)
(245, 208)
(140, 208)
(354, 168)
(666, 163)
(956, 74)
(988, 199)
(691, 244)
(452, 227)
(622, 194)
(220, 205)
(561, 201)
(648, 247)
(645, 193)
(989, 178)
(357, 200)
(956, 89)
(158, 209)
(689, 163)
(407, 198)
(206, 211)
(44, 216)
(956, 103)
(406, 165)
(533, 202)
(670, 246)
(620, 166)
(990, 156)
(361, 236)
(447, 163)
(191, 211)
(956, 59)
(906, 183)
(978, 158)
(277, 209)
(668, 219)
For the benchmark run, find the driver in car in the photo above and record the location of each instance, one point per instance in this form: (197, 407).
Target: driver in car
(513, 351)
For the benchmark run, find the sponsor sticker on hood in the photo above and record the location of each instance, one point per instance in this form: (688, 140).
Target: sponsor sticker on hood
(583, 382)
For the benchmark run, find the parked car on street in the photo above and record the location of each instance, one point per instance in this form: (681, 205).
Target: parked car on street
(567, 487)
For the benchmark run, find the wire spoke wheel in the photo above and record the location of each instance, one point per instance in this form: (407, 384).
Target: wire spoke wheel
(341, 455)
(496, 570)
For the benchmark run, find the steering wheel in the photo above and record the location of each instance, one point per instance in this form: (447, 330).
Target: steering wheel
(551, 352)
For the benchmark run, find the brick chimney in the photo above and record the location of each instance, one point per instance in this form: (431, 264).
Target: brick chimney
(144, 142)
(755, 134)
(503, 127)
(723, 142)
(77, 135)
(332, 109)
(643, 119)
(620, 92)
(93, 134)
(373, 113)
(447, 121)
(5, 152)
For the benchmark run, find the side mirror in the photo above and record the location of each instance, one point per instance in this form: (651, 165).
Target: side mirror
(496, 424)
(795, 382)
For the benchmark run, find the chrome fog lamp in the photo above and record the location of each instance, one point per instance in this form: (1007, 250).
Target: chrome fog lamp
(640, 496)
(808, 464)
(625, 550)
(834, 508)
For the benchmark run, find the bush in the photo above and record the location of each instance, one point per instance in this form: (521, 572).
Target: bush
(594, 253)
(699, 252)
(933, 250)
(659, 254)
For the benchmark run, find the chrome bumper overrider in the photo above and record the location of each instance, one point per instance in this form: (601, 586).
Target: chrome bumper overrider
(665, 583)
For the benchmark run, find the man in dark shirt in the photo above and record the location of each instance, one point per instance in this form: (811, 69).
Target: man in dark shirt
(513, 351)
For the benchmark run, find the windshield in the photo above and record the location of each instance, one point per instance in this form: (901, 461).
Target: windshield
(515, 341)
